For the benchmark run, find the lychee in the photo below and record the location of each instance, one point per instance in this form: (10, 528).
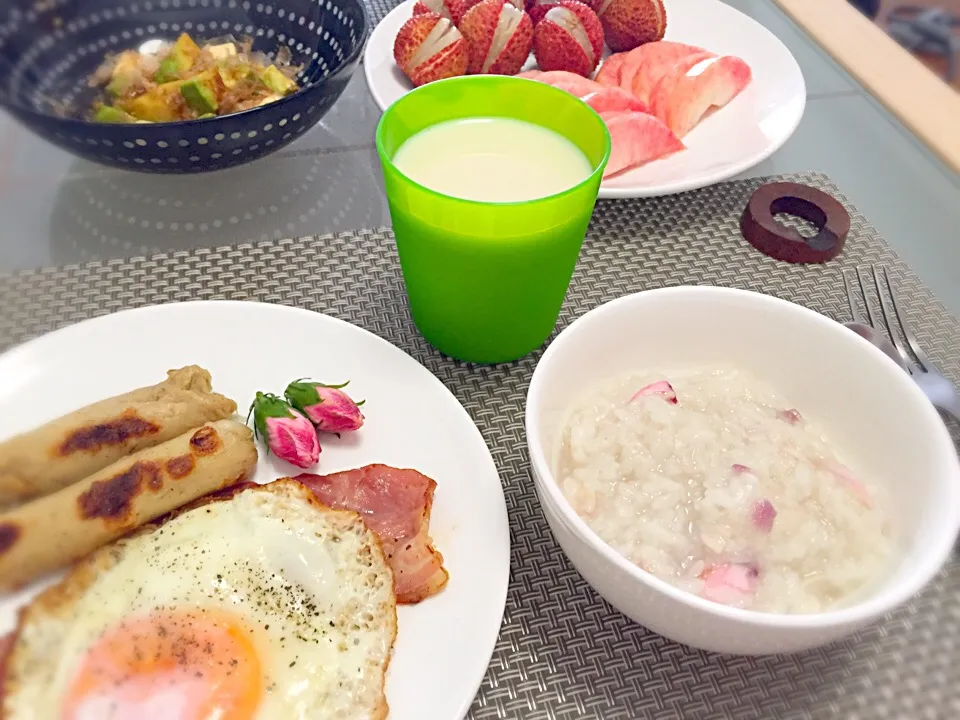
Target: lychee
(538, 8)
(630, 23)
(450, 9)
(569, 37)
(429, 47)
(499, 36)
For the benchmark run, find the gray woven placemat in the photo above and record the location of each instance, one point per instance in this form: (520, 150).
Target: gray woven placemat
(563, 653)
(377, 10)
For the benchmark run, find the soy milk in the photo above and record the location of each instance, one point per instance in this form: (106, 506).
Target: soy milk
(492, 159)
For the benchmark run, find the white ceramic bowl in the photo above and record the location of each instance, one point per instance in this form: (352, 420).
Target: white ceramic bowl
(869, 408)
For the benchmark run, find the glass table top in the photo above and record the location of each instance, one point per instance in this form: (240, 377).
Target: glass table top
(60, 210)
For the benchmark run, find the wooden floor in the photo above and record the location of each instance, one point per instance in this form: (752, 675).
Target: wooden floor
(936, 64)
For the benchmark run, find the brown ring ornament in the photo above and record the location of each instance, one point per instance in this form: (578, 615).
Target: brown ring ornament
(773, 238)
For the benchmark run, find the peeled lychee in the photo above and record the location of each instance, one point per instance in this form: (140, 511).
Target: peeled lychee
(569, 37)
(538, 8)
(429, 47)
(499, 36)
(630, 23)
(451, 9)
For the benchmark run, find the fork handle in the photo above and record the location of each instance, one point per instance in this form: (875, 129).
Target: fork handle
(946, 400)
(950, 406)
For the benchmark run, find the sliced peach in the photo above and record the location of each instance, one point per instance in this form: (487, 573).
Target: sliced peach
(614, 99)
(682, 97)
(636, 139)
(652, 60)
(609, 72)
(571, 82)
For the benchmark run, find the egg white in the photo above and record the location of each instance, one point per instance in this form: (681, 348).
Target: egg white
(310, 585)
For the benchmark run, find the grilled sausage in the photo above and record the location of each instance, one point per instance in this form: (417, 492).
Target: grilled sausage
(53, 531)
(49, 458)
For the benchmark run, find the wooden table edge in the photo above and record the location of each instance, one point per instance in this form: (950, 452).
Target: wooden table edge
(923, 102)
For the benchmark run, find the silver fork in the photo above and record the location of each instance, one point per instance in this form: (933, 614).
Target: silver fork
(924, 372)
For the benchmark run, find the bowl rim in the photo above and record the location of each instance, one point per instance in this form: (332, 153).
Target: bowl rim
(874, 605)
(349, 61)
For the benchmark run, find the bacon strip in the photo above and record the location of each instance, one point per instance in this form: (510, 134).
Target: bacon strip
(396, 505)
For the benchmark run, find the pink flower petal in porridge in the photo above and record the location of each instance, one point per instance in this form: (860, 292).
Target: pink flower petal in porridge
(739, 469)
(729, 584)
(791, 416)
(849, 480)
(764, 513)
(661, 388)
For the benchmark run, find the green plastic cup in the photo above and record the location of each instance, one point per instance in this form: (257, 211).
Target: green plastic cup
(485, 281)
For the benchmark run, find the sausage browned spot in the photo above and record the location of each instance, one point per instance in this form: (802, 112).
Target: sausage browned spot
(9, 534)
(112, 499)
(181, 466)
(112, 432)
(119, 498)
(205, 441)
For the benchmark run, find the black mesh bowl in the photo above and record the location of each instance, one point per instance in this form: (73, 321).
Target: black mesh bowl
(49, 48)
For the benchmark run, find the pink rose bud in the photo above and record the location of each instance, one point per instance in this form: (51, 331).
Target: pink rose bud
(327, 406)
(287, 432)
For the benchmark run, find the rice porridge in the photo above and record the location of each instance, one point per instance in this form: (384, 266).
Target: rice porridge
(710, 481)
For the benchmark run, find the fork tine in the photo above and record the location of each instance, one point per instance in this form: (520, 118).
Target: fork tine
(851, 298)
(888, 320)
(871, 321)
(925, 363)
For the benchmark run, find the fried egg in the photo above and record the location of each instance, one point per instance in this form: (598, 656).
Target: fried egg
(263, 605)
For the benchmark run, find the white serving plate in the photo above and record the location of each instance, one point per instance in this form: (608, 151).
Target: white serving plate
(728, 142)
(444, 644)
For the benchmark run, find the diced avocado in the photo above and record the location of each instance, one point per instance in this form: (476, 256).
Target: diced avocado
(201, 92)
(223, 51)
(178, 61)
(125, 72)
(277, 81)
(185, 52)
(159, 104)
(168, 71)
(107, 114)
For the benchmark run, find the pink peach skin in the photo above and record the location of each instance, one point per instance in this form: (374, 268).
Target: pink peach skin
(763, 515)
(637, 138)
(571, 82)
(647, 79)
(846, 478)
(642, 67)
(613, 99)
(600, 98)
(791, 417)
(729, 584)
(662, 388)
(609, 73)
(683, 97)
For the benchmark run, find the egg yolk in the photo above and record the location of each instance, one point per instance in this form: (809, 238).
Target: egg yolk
(195, 665)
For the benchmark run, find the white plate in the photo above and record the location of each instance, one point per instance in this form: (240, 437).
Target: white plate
(746, 132)
(412, 421)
